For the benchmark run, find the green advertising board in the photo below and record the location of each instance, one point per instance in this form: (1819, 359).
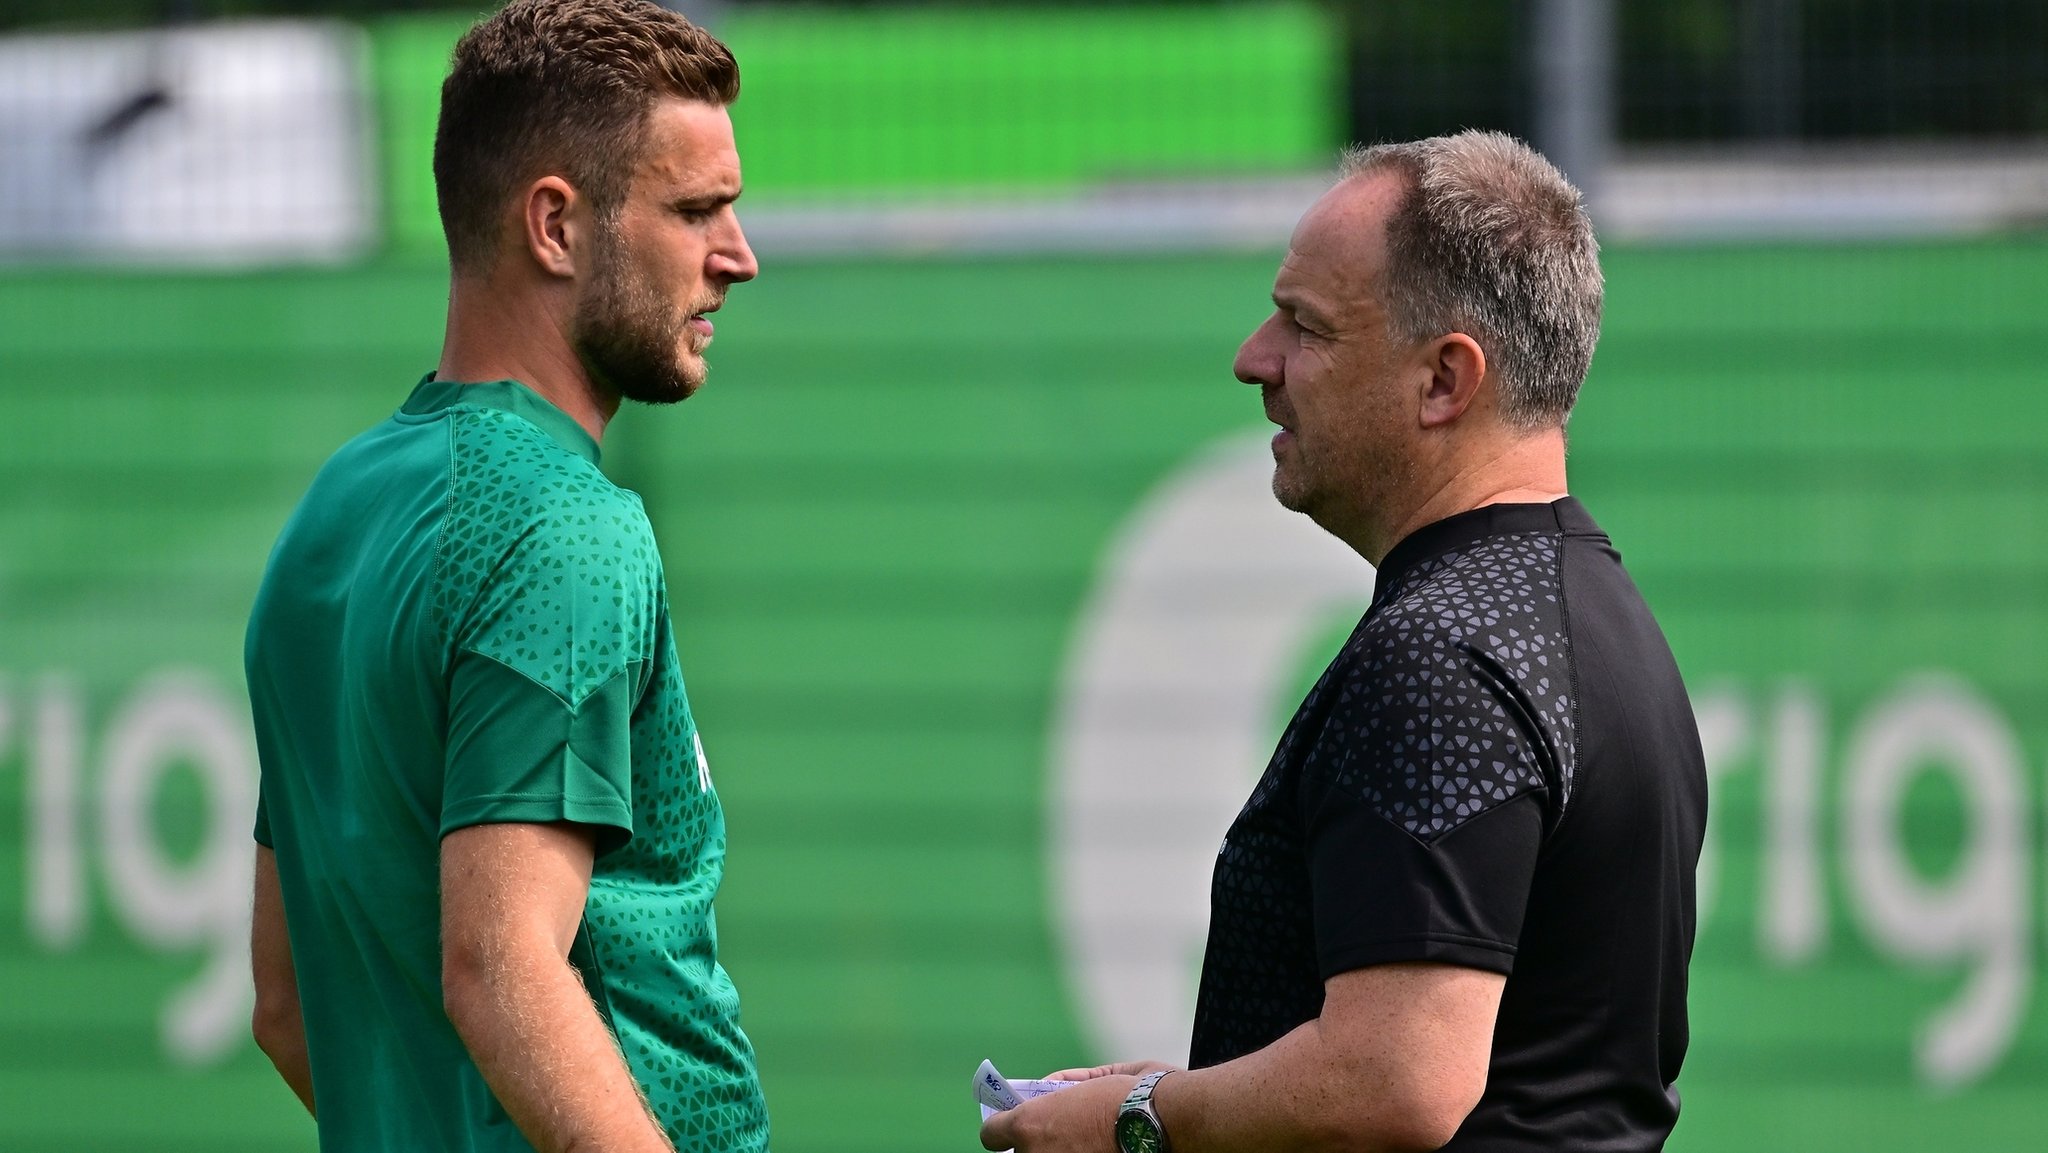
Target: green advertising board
(892, 102)
(966, 556)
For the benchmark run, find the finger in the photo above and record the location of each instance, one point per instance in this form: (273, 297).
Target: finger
(1082, 1074)
(995, 1133)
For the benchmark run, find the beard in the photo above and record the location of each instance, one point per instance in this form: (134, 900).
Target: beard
(1345, 465)
(631, 338)
(1294, 484)
(1299, 479)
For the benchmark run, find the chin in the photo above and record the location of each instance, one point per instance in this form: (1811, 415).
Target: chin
(1289, 494)
(687, 372)
(657, 382)
(673, 391)
(1288, 486)
(689, 376)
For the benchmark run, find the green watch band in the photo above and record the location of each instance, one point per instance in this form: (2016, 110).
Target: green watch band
(1137, 1124)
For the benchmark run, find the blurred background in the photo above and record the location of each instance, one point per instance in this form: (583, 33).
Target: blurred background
(986, 614)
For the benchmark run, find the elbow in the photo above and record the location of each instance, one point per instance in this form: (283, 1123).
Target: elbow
(1427, 1117)
(465, 988)
(276, 1025)
(1412, 1118)
(1420, 1133)
(476, 977)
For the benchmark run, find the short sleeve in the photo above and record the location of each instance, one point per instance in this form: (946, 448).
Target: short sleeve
(549, 596)
(263, 836)
(519, 752)
(1423, 806)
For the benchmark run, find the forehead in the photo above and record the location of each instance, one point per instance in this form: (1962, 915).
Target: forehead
(1337, 250)
(688, 147)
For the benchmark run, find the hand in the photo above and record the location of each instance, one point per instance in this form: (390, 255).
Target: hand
(1077, 1120)
(1119, 1069)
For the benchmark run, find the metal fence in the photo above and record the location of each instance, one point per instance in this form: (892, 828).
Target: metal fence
(152, 131)
(1713, 71)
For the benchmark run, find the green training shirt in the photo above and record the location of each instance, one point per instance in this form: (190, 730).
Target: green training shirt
(464, 622)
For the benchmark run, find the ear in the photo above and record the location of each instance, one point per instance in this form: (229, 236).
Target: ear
(553, 220)
(1457, 367)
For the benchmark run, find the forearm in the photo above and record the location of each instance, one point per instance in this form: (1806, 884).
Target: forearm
(281, 1034)
(279, 1023)
(1319, 1090)
(1397, 1061)
(548, 1057)
(1290, 1096)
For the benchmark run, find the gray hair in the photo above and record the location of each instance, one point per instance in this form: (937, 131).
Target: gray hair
(1492, 241)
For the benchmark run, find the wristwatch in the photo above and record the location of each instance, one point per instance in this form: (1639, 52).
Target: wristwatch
(1137, 1124)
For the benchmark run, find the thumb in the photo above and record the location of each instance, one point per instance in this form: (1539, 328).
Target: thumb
(996, 1132)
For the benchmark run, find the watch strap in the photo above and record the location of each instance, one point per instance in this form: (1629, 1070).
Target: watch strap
(1140, 1101)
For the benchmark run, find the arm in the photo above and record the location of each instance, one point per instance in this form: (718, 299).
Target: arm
(512, 896)
(1396, 1061)
(279, 1027)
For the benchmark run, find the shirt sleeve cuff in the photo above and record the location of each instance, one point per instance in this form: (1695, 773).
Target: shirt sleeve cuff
(612, 819)
(1442, 948)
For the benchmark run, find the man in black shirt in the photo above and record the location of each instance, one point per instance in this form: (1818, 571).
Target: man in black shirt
(1457, 909)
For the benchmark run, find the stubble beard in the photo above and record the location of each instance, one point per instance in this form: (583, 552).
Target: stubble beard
(1293, 479)
(631, 339)
(1349, 477)
(1293, 467)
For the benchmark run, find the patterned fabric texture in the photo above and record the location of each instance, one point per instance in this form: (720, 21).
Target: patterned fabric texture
(584, 577)
(465, 623)
(1499, 771)
(551, 570)
(1452, 673)
(1451, 699)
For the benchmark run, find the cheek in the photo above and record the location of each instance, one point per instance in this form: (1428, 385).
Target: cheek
(1310, 378)
(668, 263)
(684, 257)
(687, 261)
(1342, 404)
(662, 273)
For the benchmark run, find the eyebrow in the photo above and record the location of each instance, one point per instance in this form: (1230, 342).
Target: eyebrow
(718, 200)
(1286, 302)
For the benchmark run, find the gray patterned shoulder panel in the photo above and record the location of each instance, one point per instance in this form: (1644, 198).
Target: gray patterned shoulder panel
(1457, 688)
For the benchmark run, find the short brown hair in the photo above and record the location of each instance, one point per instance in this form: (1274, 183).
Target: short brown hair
(1492, 241)
(562, 87)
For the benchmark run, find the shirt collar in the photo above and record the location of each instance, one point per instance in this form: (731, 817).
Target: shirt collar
(1562, 517)
(432, 396)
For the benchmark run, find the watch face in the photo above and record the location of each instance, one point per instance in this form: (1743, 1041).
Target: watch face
(1135, 1133)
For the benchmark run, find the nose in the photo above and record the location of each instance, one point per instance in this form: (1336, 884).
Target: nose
(732, 259)
(1258, 358)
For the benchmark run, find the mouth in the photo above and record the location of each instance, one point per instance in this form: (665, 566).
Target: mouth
(699, 321)
(1277, 412)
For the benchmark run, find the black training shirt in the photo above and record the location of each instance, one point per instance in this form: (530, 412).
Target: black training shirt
(1500, 770)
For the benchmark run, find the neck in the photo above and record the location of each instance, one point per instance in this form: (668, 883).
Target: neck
(1525, 469)
(496, 333)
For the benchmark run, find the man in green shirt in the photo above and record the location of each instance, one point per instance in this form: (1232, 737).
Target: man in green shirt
(488, 841)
